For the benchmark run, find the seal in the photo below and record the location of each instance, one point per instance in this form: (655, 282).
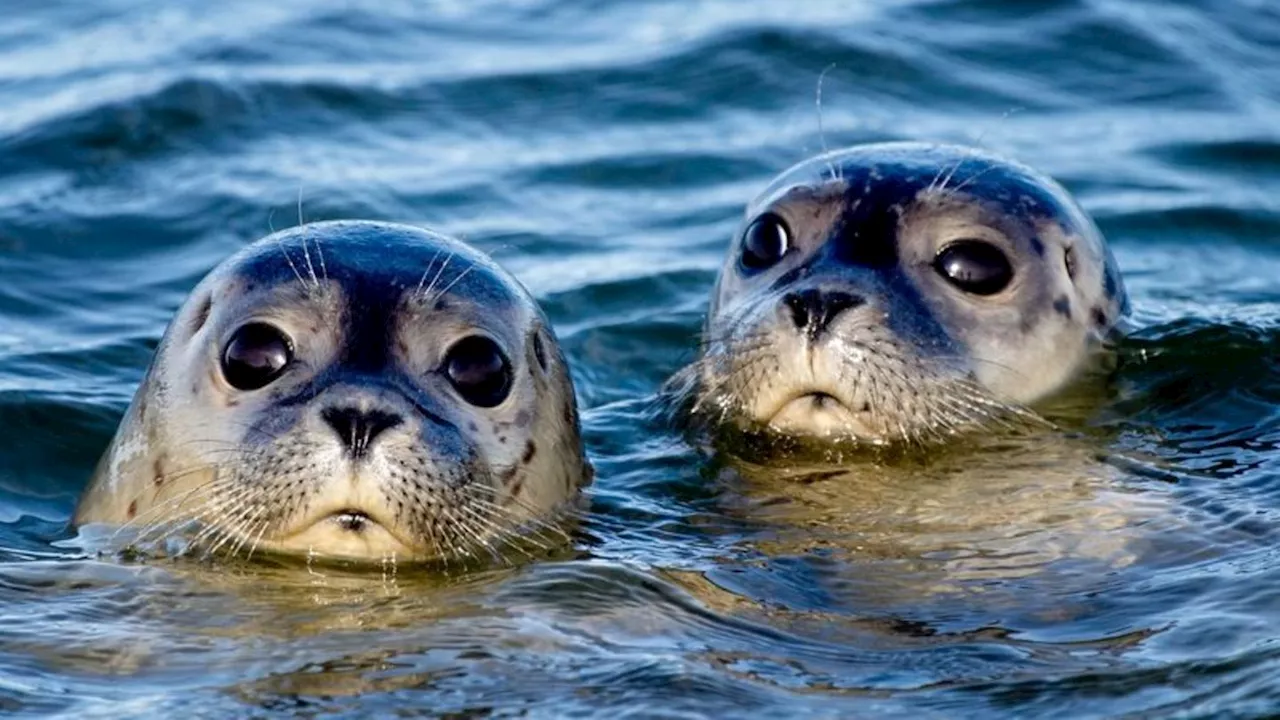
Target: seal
(904, 293)
(350, 389)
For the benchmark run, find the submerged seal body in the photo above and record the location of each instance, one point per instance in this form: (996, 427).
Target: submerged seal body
(351, 389)
(903, 292)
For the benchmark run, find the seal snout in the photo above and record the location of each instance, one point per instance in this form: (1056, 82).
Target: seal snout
(357, 428)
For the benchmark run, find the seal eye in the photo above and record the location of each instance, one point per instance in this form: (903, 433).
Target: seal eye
(974, 266)
(255, 356)
(765, 242)
(479, 371)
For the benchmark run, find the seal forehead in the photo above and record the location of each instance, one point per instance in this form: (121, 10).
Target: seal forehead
(893, 175)
(373, 262)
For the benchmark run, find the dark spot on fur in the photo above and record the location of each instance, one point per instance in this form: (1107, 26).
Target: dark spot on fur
(502, 439)
(539, 351)
(1099, 317)
(1069, 260)
(141, 408)
(158, 471)
(522, 418)
(1037, 246)
(1063, 306)
(440, 305)
(133, 509)
(202, 314)
(529, 451)
(473, 427)
(515, 487)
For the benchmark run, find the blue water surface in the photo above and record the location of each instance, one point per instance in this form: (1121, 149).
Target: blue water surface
(603, 150)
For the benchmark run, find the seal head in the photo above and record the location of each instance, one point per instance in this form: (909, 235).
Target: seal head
(904, 292)
(351, 389)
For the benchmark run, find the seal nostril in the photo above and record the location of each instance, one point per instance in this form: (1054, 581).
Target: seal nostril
(837, 302)
(357, 428)
(800, 303)
(813, 310)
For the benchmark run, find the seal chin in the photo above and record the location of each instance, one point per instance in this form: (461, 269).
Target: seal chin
(823, 414)
(350, 532)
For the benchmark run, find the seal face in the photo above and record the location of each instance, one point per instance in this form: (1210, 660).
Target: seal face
(903, 292)
(351, 389)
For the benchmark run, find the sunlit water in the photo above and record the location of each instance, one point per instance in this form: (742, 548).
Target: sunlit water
(603, 152)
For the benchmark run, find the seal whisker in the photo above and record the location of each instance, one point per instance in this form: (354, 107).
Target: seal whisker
(533, 519)
(443, 266)
(259, 514)
(501, 533)
(285, 252)
(257, 539)
(822, 135)
(235, 530)
(311, 269)
(165, 523)
(497, 516)
(422, 280)
(175, 501)
(457, 278)
(464, 527)
(218, 511)
(214, 497)
(324, 270)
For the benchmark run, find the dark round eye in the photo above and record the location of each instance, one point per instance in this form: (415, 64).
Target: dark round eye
(479, 371)
(974, 266)
(765, 242)
(255, 356)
